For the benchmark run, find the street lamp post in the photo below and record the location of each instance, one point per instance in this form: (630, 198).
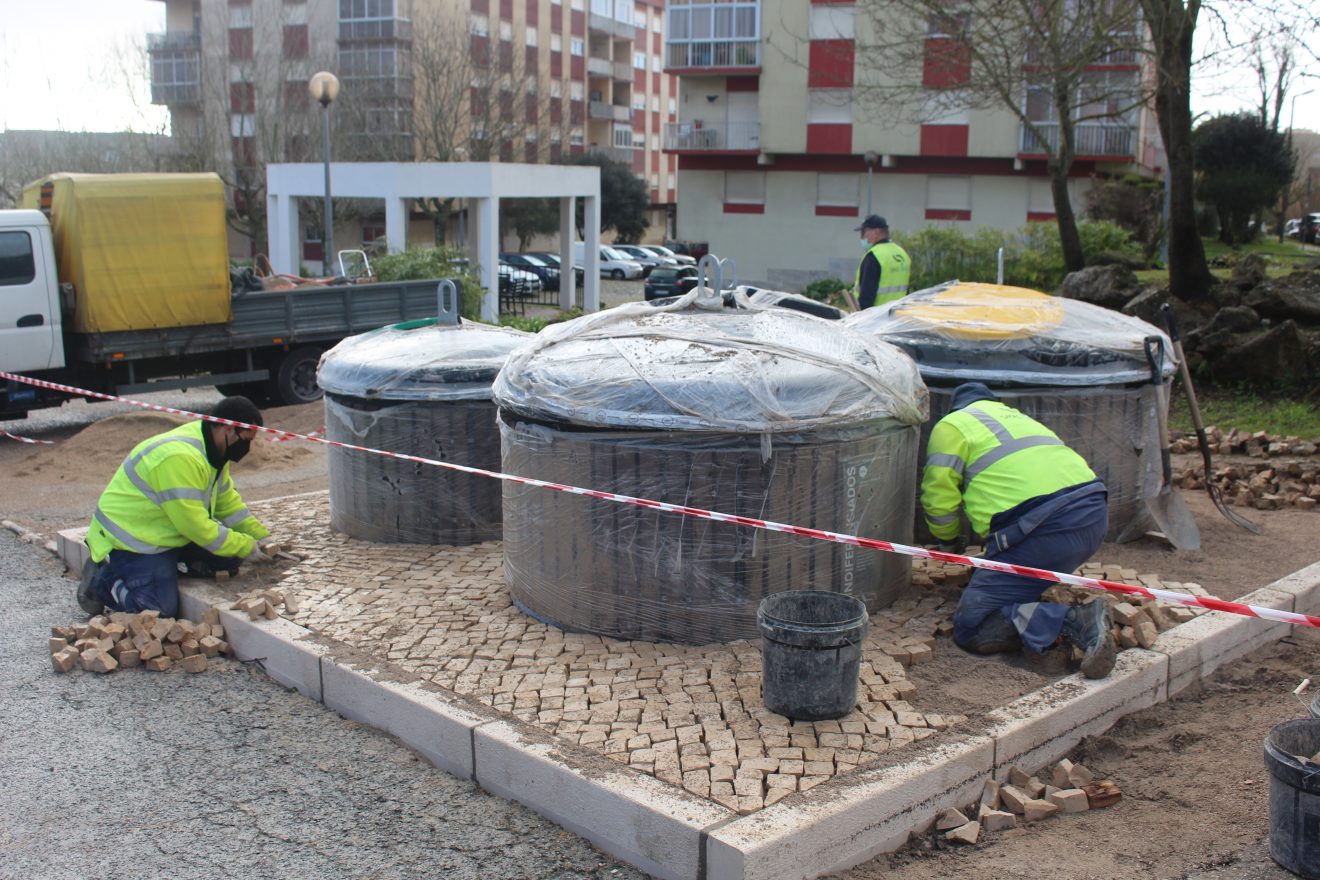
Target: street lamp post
(324, 87)
(870, 159)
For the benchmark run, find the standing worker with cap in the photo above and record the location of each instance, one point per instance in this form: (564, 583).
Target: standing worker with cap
(1039, 504)
(172, 505)
(883, 273)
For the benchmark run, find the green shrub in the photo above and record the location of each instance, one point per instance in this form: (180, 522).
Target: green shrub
(823, 289)
(1033, 256)
(420, 263)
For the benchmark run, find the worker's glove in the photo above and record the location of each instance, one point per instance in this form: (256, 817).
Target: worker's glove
(257, 556)
(956, 547)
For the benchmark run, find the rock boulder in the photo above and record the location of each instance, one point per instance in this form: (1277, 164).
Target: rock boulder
(1108, 286)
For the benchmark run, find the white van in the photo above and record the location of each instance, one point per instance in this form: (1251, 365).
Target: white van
(613, 264)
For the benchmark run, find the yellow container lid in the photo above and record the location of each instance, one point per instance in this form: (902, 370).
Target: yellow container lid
(972, 310)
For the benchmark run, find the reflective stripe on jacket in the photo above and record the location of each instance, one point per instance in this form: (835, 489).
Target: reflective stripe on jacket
(986, 458)
(895, 272)
(167, 495)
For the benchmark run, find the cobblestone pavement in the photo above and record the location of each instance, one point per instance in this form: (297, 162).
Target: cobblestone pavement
(689, 715)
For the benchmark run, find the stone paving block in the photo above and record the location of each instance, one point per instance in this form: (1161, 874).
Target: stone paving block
(71, 545)
(1040, 728)
(1304, 585)
(627, 814)
(1197, 648)
(287, 652)
(856, 819)
(435, 724)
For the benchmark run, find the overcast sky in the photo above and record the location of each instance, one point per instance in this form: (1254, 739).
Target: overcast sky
(60, 68)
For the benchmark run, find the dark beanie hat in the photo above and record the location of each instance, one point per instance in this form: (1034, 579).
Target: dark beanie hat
(969, 393)
(238, 409)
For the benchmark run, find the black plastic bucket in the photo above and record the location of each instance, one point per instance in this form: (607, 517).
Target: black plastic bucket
(1294, 796)
(811, 652)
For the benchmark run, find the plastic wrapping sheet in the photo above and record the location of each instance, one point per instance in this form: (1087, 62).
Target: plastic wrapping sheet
(709, 362)
(708, 401)
(795, 301)
(423, 389)
(419, 360)
(971, 332)
(1079, 369)
(636, 573)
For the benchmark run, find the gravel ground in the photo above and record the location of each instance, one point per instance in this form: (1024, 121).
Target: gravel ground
(138, 774)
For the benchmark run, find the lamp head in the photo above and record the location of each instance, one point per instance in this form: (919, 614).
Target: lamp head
(324, 87)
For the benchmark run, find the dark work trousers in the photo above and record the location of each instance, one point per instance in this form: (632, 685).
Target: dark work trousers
(133, 582)
(995, 603)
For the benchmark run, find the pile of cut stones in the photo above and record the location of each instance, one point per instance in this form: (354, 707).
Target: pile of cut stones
(121, 640)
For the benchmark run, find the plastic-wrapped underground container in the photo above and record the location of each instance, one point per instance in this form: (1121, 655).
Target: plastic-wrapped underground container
(705, 401)
(1079, 369)
(420, 388)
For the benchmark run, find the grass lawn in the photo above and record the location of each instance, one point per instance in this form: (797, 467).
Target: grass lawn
(1248, 412)
(1280, 259)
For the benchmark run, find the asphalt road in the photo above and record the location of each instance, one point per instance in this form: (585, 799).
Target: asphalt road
(226, 773)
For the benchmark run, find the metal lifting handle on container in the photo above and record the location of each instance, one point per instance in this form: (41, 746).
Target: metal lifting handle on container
(711, 268)
(446, 297)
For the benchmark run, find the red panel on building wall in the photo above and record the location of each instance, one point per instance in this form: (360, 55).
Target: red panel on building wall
(481, 7)
(639, 161)
(947, 214)
(295, 41)
(639, 80)
(830, 64)
(655, 122)
(506, 56)
(506, 151)
(296, 97)
(944, 140)
(533, 16)
(240, 44)
(529, 153)
(740, 208)
(533, 108)
(657, 45)
(1041, 216)
(556, 110)
(829, 138)
(480, 50)
(743, 84)
(655, 83)
(947, 63)
(577, 149)
(575, 114)
(529, 59)
(506, 10)
(243, 97)
(556, 63)
(556, 18)
(577, 68)
(837, 211)
(577, 22)
(556, 152)
(478, 101)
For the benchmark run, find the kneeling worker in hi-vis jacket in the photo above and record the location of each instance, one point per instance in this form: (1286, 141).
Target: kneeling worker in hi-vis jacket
(1039, 504)
(172, 506)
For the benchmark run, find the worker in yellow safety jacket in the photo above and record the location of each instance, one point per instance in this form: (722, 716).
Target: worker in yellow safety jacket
(1038, 504)
(172, 505)
(885, 268)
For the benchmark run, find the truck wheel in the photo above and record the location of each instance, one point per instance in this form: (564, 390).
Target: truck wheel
(294, 381)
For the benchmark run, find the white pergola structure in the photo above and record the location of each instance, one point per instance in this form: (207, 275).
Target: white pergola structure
(483, 184)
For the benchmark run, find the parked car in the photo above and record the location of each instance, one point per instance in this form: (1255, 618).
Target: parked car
(613, 264)
(553, 260)
(662, 251)
(694, 249)
(517, 283)
(669, 281)
(547, 272)
(1304, 228)
(648, 260)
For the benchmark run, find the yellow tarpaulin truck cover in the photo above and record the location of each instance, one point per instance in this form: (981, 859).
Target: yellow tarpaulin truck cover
(142, 251)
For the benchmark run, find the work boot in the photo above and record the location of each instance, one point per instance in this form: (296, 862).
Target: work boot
(1087, 627)
(87, 599)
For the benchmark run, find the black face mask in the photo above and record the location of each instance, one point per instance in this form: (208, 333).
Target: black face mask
(237, 449)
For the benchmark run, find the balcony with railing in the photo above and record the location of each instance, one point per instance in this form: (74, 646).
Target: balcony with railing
(599, 66)
(606, 110)
(175, 67)
(1090, 139)
(735, 137)
(720, 54)
(623, 72)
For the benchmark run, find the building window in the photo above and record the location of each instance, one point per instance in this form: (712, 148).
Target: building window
(830, 22)
(673, 107)
(240, 15)
(479, 25)
(837, 195)
(639, 103)
(371, 20)
(948, 198)
(556, 89)
(623, 137)
(575, 91)
(531, 37)
(829, 106)
(295, 41)
(575, 138)
(639, 18)
(506, 30)
(556, 43)
(655, 63)
(744, 187)
(639, 60)
(577, 46)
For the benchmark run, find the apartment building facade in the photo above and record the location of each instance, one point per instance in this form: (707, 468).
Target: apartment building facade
(777, 149)
(428, 80)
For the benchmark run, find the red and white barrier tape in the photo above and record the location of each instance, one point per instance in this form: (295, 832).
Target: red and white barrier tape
(27, 439)
(315, 435)
(1076, 580)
